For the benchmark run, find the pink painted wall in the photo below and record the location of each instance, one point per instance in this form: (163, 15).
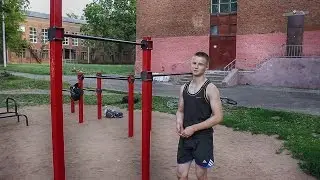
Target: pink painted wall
(285, 72)
(255, 48)
(311, 43)
(172, 54)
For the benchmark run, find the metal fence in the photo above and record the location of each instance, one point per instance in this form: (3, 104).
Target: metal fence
(295, 51)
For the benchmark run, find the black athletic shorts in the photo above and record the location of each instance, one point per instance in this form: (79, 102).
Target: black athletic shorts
(198, 148)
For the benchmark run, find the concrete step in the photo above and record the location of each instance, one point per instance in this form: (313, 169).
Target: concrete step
(211, 77)
(212, 80)
(218, 84)
(215, 77)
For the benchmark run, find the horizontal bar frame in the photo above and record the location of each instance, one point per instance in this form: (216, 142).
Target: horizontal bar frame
(101, 39)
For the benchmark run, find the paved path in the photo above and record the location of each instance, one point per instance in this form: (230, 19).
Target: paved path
(299, 100)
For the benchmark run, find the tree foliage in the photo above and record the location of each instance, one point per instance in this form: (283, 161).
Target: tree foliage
(14, 12)
(113, 19)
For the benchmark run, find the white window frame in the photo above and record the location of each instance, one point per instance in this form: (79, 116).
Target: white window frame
(33, 35)
(66, 40)
(44, 36)
(219, 8)
(75, 41)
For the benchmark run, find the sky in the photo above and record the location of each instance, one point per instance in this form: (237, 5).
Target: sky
(68, 6)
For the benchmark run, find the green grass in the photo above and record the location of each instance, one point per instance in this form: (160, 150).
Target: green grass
(70, 69)
(10, 82)
(300, 132)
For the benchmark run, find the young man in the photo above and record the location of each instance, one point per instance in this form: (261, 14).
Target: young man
(199, 110)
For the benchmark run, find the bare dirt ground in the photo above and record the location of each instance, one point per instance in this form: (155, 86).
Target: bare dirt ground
(100, 149)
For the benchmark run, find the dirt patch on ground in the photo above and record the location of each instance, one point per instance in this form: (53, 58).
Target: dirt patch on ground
(100, 149)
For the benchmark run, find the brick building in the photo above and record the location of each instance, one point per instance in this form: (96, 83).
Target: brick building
(35, 32)
(74, 50)
(242, 33)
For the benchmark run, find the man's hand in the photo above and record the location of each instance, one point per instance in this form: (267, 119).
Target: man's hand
(189, 131)
(179, 128)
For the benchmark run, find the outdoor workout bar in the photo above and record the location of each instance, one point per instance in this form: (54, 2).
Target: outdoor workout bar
(126, 77)
(109, 77)
(101, 39)
(56, 36)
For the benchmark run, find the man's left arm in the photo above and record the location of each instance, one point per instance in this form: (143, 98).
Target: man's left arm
(216, 106)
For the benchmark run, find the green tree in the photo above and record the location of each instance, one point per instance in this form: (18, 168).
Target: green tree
(14, 12)
(113, 19)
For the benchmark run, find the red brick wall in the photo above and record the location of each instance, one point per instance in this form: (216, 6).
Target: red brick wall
(172, 18)
(261, 29)
(179, 28)
(266, 16)
(172, 54)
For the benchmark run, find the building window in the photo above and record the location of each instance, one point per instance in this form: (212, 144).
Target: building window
(223, 6)
(73, 54)
(45, 54)
(44, 36)
(214, 30)
(84, 55)
(33, 35)
(66, 40)
(21, 53)
(75, 41)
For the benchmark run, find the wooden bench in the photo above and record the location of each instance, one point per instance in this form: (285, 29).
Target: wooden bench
(9, 113)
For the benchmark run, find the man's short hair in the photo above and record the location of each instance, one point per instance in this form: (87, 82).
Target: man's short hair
(203, 55)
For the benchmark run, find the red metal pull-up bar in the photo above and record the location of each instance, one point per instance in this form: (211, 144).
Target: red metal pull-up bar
(56, 35)
(56, 93)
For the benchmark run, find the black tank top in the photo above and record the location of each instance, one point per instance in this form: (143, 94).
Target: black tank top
(196, 108)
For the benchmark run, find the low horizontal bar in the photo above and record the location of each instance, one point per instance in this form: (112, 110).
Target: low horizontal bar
(173, 74)
(2, 117)
(108, 77)
(101, 39)
(116, 78)
(92, 90)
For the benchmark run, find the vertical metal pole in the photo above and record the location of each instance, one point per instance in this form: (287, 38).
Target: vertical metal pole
(146, 111)
(130, 105)
(99, 95)
(4, 38)
(56, 93)
(80, 83)
(88, 55)
(72, 105)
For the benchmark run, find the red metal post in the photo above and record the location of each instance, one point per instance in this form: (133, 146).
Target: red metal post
(99, 95)
(80, 83)
(146, 108)
(56, 92)
(72, 105)
(130, 105)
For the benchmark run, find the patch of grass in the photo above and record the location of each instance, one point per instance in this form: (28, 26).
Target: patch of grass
(71, 69)
(10, 82)
(300, 132)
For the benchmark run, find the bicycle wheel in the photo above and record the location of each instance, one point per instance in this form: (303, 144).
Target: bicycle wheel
(228, 101)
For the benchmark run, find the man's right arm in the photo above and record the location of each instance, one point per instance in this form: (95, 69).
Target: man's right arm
(179, 113)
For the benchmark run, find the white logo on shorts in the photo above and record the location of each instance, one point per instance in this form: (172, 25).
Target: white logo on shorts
(204, 161)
